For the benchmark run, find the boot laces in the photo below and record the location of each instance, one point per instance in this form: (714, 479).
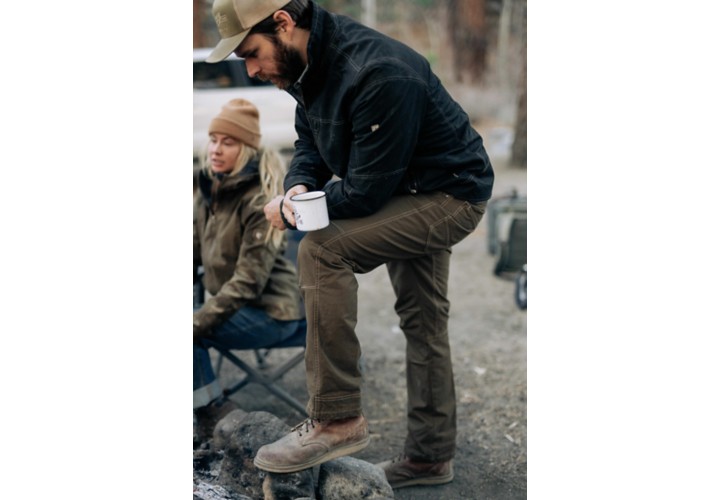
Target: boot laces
(307, 423)
(400, 458)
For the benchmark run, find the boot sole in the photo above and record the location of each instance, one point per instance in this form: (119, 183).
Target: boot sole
(334, 453)
(424, 481)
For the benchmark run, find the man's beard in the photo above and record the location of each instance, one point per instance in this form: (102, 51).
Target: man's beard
(289, 64)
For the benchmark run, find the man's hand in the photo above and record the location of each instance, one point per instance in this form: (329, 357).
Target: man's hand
(272, 209)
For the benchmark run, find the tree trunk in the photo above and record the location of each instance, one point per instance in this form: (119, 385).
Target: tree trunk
(519, 147)
(198, 18)
(468, 35)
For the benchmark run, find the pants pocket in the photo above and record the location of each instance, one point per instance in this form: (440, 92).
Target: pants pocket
(459, 219)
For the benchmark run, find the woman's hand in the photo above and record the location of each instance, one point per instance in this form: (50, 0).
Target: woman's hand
(272, 213)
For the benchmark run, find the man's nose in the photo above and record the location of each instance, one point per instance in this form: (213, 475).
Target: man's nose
(252, 68)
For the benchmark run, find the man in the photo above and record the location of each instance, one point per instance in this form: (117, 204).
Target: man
(406, 178)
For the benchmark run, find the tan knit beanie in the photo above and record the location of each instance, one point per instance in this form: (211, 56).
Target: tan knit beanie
(240, 119)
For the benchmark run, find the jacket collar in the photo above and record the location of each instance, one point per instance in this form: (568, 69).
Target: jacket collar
(322, 30)
(240, 181)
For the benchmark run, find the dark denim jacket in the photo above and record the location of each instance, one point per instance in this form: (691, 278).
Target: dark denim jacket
(371, 112)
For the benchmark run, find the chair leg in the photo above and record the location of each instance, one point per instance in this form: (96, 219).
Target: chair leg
(261, 357)
(218, 365)
(267, 381)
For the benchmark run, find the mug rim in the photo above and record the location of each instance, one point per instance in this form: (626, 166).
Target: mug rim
(308, 196)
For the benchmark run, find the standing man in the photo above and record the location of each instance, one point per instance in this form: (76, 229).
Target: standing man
(406, 178)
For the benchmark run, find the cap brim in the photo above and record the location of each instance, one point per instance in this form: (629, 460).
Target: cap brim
(225, 47)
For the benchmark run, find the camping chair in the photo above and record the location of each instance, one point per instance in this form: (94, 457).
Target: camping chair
(507, 233)
(263, 373)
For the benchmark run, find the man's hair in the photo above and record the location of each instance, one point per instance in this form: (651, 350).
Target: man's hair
(300, 12)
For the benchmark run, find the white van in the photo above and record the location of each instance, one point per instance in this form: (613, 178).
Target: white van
(217, 83)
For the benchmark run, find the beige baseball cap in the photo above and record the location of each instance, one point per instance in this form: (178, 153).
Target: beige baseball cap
(234, 21)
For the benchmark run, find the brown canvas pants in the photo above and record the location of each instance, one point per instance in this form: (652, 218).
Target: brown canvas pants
(413, 236)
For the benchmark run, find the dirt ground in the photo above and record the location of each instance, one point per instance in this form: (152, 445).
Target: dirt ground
(488, 335)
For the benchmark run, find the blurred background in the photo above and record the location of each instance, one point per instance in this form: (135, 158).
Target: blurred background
(476, 47)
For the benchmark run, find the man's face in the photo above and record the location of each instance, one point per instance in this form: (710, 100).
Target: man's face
(269, 59)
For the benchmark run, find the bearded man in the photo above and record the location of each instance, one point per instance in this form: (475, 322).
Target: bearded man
(406, 177)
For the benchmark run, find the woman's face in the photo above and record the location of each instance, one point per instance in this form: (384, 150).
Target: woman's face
(223, 152)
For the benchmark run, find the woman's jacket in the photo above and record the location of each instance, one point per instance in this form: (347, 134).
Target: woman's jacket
(241, 266)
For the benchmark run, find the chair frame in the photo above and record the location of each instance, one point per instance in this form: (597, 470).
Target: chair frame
(255, 375)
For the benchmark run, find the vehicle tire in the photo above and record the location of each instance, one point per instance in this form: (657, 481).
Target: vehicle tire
(521, 288)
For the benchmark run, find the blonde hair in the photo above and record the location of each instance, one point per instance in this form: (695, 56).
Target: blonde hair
(272, 169)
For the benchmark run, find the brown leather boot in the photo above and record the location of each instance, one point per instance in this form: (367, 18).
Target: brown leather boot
(313, 442)
(401, 472)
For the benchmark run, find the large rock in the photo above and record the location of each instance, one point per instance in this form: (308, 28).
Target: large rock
(224, 469)
(224, 429)
(348, 478)
(239, 438)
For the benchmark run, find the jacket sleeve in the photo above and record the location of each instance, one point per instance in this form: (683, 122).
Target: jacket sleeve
(255, 262)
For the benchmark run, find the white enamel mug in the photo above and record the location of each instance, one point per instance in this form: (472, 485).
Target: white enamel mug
(310, 210)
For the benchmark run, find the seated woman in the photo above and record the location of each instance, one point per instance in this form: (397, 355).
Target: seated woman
(254, 299)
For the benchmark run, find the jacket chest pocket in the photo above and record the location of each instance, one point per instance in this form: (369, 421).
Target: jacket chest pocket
(332, 138)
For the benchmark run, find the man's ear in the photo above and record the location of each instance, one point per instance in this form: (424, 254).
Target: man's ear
(284, 21)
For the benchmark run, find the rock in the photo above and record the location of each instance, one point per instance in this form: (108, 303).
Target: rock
(206, 418)
(205, 491)
(348, 478)
(224, 469)
(225, 427)
(296, 486)
(241, 436)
